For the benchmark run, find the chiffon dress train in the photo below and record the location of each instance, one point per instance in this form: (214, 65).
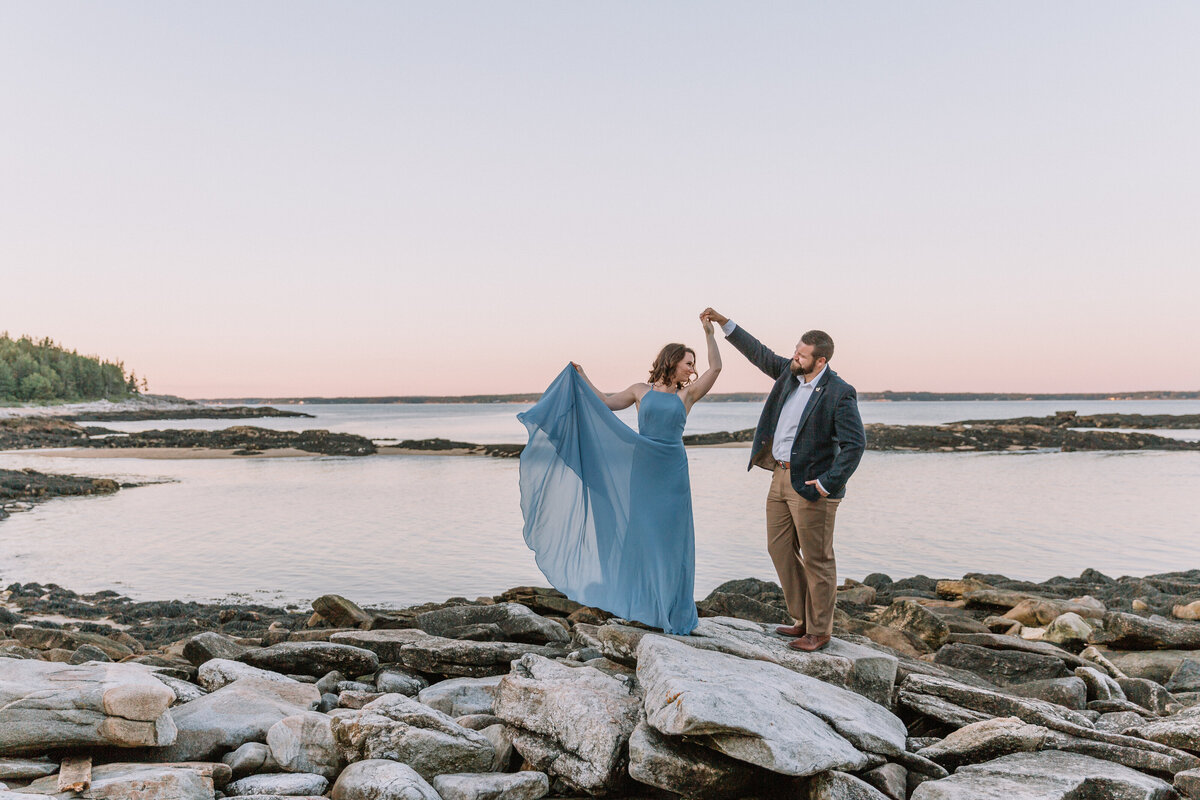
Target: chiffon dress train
(608, 512)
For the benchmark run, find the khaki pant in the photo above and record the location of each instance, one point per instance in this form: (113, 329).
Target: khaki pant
(800, 541)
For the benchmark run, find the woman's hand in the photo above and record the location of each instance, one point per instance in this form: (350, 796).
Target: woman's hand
(706, 323)
(577, 367)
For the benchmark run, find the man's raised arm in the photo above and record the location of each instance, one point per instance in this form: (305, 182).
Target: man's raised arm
(755, 351)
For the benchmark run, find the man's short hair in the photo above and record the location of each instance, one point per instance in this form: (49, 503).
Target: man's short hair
(822, 344)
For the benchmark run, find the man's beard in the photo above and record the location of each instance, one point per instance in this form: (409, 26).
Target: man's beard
(799, 371)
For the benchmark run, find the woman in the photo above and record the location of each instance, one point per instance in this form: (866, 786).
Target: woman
(608, 512)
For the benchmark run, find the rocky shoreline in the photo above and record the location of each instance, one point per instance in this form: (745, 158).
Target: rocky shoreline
(20, 488)
(1070, 419)
(1058, 432)
(190, 412)
(933, 689)
(24, 433)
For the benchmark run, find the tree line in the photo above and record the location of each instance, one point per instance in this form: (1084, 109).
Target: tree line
(41, 370)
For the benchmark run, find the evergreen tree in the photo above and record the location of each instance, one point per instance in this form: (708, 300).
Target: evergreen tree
(43, 370)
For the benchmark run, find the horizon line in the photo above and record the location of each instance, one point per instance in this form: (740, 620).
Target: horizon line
(886, 395)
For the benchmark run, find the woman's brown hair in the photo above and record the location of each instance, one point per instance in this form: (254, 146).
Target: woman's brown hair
(665, 363)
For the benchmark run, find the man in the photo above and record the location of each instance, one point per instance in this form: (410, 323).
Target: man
(811, 437)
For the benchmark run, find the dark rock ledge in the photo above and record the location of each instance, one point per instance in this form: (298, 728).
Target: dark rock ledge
(1067, 689)
(1070, 419)
(191, 412)
(20, 487)
(24, 433)
(243, 439)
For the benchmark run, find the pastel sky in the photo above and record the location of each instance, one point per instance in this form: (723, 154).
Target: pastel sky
(298, 198)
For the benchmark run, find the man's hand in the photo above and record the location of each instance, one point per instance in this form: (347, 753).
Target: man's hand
(711, 315)
(817, 483)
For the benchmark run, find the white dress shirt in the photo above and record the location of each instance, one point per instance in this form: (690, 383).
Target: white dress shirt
(789, 416)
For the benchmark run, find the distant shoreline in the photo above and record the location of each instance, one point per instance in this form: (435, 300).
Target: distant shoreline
(728, 397)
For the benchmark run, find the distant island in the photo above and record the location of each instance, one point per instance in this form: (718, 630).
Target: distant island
(727, 397)
(42, 371)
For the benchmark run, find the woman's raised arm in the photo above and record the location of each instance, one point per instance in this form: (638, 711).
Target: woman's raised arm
(615, 401)
(701, 386)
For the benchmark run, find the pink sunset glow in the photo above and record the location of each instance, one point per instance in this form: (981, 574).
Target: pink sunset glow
(396, 199)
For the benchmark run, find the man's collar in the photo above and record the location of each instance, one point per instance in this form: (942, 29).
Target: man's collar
(816, 377)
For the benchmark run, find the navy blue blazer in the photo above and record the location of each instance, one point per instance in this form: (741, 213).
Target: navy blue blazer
(830, 440)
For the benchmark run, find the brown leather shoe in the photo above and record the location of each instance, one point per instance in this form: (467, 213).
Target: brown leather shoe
(809, 642)
(790, 630)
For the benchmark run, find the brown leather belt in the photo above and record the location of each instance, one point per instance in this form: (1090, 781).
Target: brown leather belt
(784, 464)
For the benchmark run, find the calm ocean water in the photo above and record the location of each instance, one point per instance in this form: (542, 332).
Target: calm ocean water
(396, 530)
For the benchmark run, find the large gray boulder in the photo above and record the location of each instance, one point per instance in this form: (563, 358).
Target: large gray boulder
(340, 612)
(694, 771)
(438, 655)
(891, 779)
(250, 758)
(1070, 631)
(1185, 677)
(40, 638)
(304, 743)
(510, 621)
(916, 619)
(400, 681)
(209, 645)
(851, 666)
(999, 641)
(312, 658)
(834, 785)
(1180, 730)
(217, 673)
(381, 779)
(526, 785)
(280, 783)
(1068, 692)
(45, 705)
(1069, 730)
(124, 781)
(459, 697)
(1157, 665)
(185, 691)
(1045, 775)
(1149, 695)
(1131, 632)
(984, 702)
(1100, 686)
(571, 722)
(1002, 667)
(26, 769)
(399, 728)
(1188, 783)
(1040, 611)
(762, 713)
(240, 712)
(984, 741)
(385, 643)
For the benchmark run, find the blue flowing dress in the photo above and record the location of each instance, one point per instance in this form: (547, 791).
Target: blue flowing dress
(608, 512)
